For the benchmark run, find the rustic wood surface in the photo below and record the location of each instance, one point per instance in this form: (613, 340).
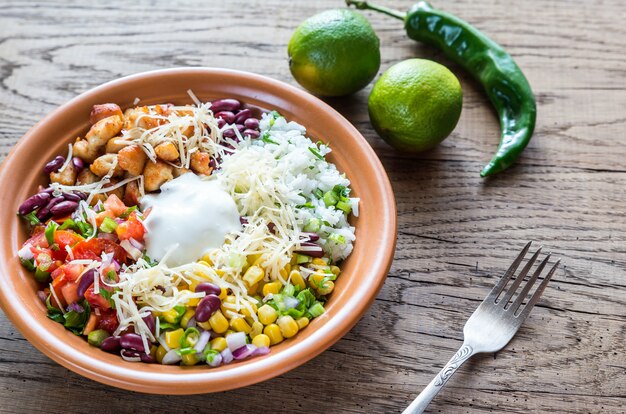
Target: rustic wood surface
(457, 232)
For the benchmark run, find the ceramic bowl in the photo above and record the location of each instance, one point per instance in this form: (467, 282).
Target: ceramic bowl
(363, 273)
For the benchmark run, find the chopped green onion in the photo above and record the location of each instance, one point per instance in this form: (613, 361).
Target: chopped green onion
(317, 309)
(337, 238)
(305, 205)
(108, 225)
(313, 225)
(111, 275)
(344, 206)
(67, 224)
(51, 228)
(209, 354)
(190, 338)
(84, 228)
(185, 351)
(302, 258)
(31, 218)
(317, 153)
(266, 138)
(289, 289)
(318, 193)
(330, 198)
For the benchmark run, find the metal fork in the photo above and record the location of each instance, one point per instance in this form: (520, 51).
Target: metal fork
(493, 324)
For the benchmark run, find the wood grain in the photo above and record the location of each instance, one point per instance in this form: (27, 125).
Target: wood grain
(457, 232)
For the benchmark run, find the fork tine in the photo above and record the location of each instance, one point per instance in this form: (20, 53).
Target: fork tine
(529, 285)
(508, 274)
(518, 280)
(535, 297)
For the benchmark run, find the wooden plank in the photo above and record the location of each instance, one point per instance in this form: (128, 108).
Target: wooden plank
(457, 232)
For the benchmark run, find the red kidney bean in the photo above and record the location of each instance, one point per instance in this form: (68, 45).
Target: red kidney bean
(243, 220)
(111, 344)
(208, 288)
(229, 133)
(252, 133)
(227, 116)
(240, 127)
(86, 280)
(312, 236)
(150, 322)
(48, 190)
(225, 105)
(147, 358)
(271, 227)
(220, 123)
(132, 341)
(242, 116)
(207, 306)
(64, 208)
(319, 252)
(54, 165)
(44, 212)
(251, 123)
(78, 163)
(129, 353)
(72, 197)
(33, 202)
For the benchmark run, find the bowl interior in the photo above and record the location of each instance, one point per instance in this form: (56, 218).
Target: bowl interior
(363, 272)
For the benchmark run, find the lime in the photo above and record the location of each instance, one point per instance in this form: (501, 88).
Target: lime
(334, 53)
(415, 104)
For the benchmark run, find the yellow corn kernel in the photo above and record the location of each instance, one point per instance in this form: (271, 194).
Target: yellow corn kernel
(160, 353)
(302, 322)
(189, 359)
(220, 272)
(326, 288)
(246, 312)
(261, 340)
(172, 338)
(219, 344)
(336, 270)
(240, 325)
(272, 287)
(288, 267)
(253, 275)
(193, 285)
(319, 262)
(296, 279)
(316, 280)
(252, 259)
(170, 316)
(205, 325)
(186, 316)
(288, 327)
(250, 320)
(257, 329)
(223, 293)
(156, 314)
(283, 273)
(229, 332)
(183, 286)
(218, 322)
(267, 314)
(273, 332)
(253, 289)
(206, 260)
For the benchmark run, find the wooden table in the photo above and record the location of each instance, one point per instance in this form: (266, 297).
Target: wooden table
(457, 232)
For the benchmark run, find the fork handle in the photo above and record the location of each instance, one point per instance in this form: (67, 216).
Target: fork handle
(426, 396)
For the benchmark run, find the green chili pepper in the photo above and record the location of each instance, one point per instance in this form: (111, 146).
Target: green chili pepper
(51, 228)
(505, 84)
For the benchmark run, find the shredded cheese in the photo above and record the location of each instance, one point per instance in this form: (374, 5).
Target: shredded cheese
(68, 159)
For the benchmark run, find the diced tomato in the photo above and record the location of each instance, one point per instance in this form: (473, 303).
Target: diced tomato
(131, 229)
(70, 292)
(92, 249)
(57, 272)
(96, 300)
(37, 239)
(115, 205)
(107, 270)
(66, 238)
(108, 321)
(102, 215)
(72, 271)
(57, 286)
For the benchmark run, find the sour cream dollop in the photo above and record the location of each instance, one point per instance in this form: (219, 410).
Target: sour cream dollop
(192, 212)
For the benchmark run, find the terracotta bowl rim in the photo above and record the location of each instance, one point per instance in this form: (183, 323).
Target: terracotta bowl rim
(236, 375)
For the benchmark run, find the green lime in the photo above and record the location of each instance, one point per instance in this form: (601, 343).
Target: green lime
(334, 53)
(415, 104)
